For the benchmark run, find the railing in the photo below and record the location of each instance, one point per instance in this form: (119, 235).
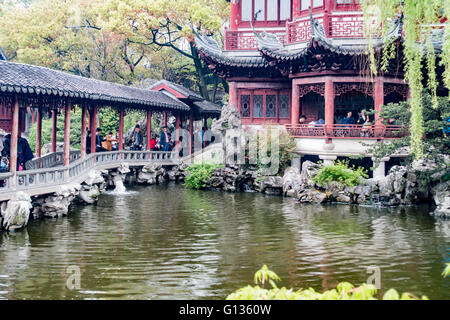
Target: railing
(349, 131)
(57, 174)
(245, 40)
(52, 160)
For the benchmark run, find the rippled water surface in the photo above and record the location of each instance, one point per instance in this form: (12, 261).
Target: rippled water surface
(165, 242)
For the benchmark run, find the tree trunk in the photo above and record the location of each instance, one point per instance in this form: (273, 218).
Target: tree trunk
(200, 74)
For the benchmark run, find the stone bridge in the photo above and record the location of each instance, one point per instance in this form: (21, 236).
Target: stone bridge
(48, 173)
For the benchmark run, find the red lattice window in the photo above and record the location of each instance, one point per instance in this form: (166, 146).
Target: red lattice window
(263, 105)
(245, 106)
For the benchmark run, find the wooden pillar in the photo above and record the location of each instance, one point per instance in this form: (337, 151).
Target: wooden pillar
(38, 132)
(93, 126)
(191, 132)
(295, 114)
(165, 118)
(296, 8)
(378, 98)
(234, 15)
(33, 116)
(149, 129)
(177, 133)
(83, 131)
(14, 137)
(233, 94)
(66, 157)
(329, 103)
(121, 119)
(54, 128)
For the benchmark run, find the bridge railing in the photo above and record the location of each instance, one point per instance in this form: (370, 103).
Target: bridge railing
(52, 159)
(57, 175)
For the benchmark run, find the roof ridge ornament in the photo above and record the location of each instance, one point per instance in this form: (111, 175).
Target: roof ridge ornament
(317, 30)
(264, 39)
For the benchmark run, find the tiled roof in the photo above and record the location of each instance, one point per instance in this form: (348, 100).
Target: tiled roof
(29, 79)
(207, 107)
(183, 90)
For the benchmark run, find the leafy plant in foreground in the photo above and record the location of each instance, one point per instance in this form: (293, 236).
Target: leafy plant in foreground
(343, 291)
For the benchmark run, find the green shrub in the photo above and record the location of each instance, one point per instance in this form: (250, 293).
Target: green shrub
(343, 291)
(341, 173)
(199, 175)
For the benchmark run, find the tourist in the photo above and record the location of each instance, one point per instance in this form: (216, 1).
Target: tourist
(138, 139)
(153, 142)
(392, 122)
(302, 119)
(164, 139)
(24, 153)
(320, 121)
(107, 142)
(363, 117)
(98, 141)
(349, 118)
(88, 142)
(446, 128)
(203, 137)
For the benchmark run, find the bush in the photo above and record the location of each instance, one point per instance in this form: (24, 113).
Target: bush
(341, 173)
(343, 291)
(199, 175)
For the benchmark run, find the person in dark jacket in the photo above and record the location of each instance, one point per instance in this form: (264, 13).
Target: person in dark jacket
(24, 153)
(138, 139)
(98, 141)
(88, 142)
(164, 139)
(349, 118)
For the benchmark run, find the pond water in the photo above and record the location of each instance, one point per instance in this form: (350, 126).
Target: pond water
(165, 242)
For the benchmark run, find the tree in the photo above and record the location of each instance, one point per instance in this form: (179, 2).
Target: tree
(434, 119)
(420, 21)
(169, 24)
(66, 35)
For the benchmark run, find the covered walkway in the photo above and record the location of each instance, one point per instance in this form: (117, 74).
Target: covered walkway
(25, 88)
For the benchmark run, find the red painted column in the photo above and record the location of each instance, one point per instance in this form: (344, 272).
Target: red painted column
(54, 128)
(38, 132)
(83, 131)
(121, 116)
(66, 157)
(191, 132)
(33, 116)
(296, 8)
(234, 15)
(326, 17)
(149, 129)
(177, 132)
(165, 118)
(295, 114)
(14, 136)
(329, 104)
(378, 98)
(233, 94)
(93, 127)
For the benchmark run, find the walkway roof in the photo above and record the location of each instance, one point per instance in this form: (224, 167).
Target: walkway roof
(32, 80)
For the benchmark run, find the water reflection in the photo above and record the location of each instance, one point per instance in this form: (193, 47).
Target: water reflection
(164, 242)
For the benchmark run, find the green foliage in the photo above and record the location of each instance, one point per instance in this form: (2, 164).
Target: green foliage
(340, 172)
(446, 271)
(434, 121)
(199, 175)
(419, 27)
(343, 291)
(109, 120)
(264, 274)
(284, 152)
(75, 130)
